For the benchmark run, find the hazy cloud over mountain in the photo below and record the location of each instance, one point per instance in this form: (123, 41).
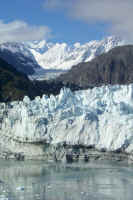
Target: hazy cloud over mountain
(118, 14)
(20, 31)
(58, 4)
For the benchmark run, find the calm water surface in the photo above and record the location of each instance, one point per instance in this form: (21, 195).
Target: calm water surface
(97, 180)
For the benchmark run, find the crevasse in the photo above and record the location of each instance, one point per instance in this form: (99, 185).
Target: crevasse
(102, 117)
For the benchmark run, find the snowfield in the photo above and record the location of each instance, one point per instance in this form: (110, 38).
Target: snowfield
(101, 117)
(49, 60)
(61, 56)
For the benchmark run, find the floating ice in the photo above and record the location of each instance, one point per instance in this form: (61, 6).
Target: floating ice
(20, 188)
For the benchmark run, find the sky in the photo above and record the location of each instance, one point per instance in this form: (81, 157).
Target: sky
(67, 21)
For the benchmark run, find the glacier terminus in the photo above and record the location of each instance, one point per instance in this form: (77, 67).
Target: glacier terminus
(100, 118)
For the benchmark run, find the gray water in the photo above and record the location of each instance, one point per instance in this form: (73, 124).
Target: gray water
(30, 180)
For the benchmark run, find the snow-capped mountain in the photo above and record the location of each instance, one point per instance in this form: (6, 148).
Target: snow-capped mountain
(18, 55)
(101, 117)
(63, 56)
(41, 59)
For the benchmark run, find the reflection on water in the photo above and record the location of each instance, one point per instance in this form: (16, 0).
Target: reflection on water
(32, 180)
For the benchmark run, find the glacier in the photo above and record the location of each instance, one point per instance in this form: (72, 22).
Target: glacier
(101, 117)
(61, 56)
(49, 60)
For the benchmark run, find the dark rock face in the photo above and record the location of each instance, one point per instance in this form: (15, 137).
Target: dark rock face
(14, 85)
(20, 65)
(114, 67)
(22, 61)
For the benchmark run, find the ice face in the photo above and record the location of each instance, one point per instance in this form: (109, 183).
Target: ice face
(102, 117)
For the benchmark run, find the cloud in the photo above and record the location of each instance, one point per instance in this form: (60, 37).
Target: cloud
(57, 4)
(53, 4)
(118, 14)
(18, 31)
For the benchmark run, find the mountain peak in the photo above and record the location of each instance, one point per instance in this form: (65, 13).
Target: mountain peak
(61, 56)
(57, 56)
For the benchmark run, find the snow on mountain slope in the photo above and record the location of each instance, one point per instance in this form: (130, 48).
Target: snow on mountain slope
(63, 57)
(18, 55)
(102, 117)
(42, 60)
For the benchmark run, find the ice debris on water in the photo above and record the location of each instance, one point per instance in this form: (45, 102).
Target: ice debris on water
(3, 197)
(20, 188)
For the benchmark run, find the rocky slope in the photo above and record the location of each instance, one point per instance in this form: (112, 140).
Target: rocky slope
(114, 67)
(42, 60)
(17, 55)
(14, 85)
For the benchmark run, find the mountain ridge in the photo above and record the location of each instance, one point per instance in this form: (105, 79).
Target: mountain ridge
(20, 57)
(113, 67)
(14, 85)
(38, 59)
(63, 56)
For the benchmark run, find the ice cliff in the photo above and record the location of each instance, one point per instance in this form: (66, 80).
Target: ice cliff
(101, 117)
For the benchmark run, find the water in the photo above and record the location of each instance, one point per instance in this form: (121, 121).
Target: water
(97, 180)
